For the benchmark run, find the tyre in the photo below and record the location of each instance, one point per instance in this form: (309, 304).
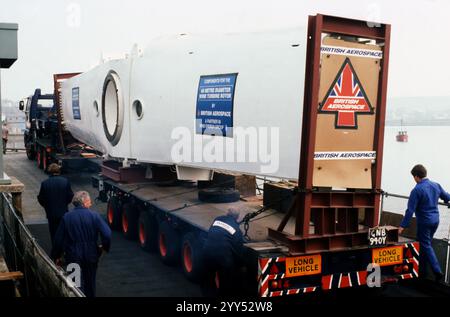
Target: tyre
(168, 244)
(218, 195)
(39, 159)
(148, 232)
(114, 213)
(45, 161)
(130, 217)
(192, 257)
(31, 154)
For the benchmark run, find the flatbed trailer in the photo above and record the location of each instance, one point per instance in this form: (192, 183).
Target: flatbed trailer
(45, 138)
(47, 153)
(140, 210)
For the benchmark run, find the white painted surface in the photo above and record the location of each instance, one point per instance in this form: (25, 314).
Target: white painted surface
(165, 79)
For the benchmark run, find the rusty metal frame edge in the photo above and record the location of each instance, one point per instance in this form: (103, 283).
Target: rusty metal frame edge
(380, 121)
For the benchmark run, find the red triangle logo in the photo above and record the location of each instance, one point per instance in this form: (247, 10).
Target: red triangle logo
(346, 98)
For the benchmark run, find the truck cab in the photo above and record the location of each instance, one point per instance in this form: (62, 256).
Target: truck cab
(41, 120)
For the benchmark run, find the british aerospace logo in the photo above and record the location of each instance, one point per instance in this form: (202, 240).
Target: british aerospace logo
(346, 98)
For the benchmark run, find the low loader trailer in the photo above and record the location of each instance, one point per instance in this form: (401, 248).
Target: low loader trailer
(173, 221)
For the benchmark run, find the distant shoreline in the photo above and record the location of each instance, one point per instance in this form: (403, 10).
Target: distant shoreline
(433, 123)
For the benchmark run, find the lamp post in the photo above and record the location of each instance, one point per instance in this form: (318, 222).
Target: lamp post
(8, 55)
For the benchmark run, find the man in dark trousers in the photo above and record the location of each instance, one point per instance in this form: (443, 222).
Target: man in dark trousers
(222, 253)
(77, 237)
(55, 195)
(423, 201)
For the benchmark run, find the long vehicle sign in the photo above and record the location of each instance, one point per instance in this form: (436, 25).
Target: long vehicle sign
(304, 265)
(387, 256)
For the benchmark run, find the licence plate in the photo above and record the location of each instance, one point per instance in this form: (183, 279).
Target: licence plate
(304, 265)
(377, 236)
(387, 256)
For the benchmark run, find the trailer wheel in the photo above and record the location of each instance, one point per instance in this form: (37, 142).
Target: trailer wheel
(113, 213)
(148, 232)
(31, 154)
(168, 244)
(44, 161)
(191, 257)
(130, 216)
(39, 159)
(218, 195)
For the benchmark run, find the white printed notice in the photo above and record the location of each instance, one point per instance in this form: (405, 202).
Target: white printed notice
(214, 114)
(348, 51)
(350, 155)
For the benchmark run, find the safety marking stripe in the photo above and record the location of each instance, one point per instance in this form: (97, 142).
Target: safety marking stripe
(326, 282)
(265, 280)
(406, 276)
(415, 259)
(343, 280)
(293, 291)
(266, 265)
(275, 276)
(264, 286)
(413, 247)
(272, 276)
(265, 293)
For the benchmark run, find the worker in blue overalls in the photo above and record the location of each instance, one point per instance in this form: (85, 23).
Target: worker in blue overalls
(222, 253)
(77, 237)
(55, 195)
(423, 201)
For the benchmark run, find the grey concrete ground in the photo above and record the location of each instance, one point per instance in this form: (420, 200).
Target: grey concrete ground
(126, 270)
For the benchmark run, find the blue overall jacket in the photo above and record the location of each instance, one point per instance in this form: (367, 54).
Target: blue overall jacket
(423, 201)
(78, 235)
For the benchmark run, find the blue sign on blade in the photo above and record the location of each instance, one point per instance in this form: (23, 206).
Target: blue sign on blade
(215, 98)
(76, 103)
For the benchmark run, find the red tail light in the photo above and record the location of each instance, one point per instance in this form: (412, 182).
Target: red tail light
(398, 269)
(274, 284)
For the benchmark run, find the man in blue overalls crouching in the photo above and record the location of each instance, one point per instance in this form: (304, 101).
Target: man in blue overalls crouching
(423, 201)
(77, 237)
(222, 252)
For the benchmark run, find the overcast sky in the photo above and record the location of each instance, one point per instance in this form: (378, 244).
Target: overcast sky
(59, 36)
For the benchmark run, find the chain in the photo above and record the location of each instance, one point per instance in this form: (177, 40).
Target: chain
(248, 217)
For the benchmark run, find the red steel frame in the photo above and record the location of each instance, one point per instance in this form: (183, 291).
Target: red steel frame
(322, 207)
